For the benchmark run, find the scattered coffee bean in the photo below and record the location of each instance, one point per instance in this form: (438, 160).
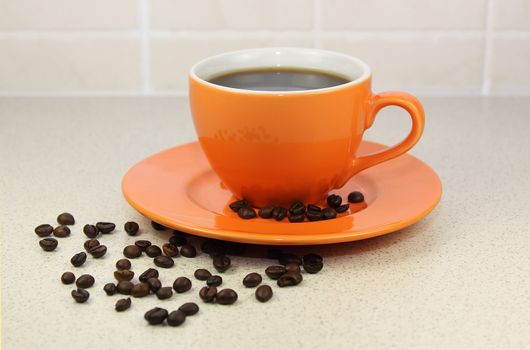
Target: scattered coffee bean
(132, 251)
(342, 208)
(279, 213)
(123, 275)
(188, 251)
(214, 281)
(142, 244)
(296, 218)
(122, 304)
(178, 241)
(157, 226)
(154, 284)
(123, 264)
(235, 206)
(266, 212)
(226, 297)
(170, 250)
(90, 243)
(66, 219)
(207, 294)
(124, 287)
(156, 315)
(289, 279)
(80, 295)
(298, 208)
(90, 231)
(85, 281)
(355, 197)
(48, 244)
(312, 263)
(176, 318)
(252, 280)
(78, 259)
(246, 213)
(264, 293)
(98, 252)
(275, 271)
(68, 278)
(105, 227)
(61, 231)
(164, 261)
(287, 258)
(314, 215)
(334, 200)
(274, 253)
(189, 308)
(221, 263)
(153, 251)
(147, 274)
(182, 284)
(131, 228)
(164, 293)
(44, 230)
(202, 274)
(140, 290)
(292, 267)
(313, 207)
(329, 213)
(110, 289)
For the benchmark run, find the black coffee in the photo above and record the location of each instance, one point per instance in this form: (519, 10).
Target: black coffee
(278, 79)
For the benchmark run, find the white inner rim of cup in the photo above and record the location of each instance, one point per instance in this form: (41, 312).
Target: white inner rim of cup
(335, 63)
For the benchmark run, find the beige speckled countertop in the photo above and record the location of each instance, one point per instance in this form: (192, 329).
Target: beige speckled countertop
(459, 279)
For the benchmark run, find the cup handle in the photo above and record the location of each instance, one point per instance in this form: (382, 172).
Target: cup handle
(392, 98)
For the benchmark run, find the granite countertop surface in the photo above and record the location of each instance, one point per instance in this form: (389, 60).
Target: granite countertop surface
(458, 279)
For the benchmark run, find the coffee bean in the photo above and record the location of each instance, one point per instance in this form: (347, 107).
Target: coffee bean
(123, 264)
(221, 263)
(65, 219)
(252, 280)
(178, 240)
(44, 230)
(296, 218)
(61, 231)
(123, 275)
(90, 243)
(153, 251)
(48, 244)
(170, 250)
(132, 251)
(207, 294)
(131, 228)
(202, 274)
(314, 215)
(163, 261)
(188, 251)
(189, 308)
(287, 258)
(274, 253)
(90, 231)
(334, 200)
(154, 284)
(156, 315)
(312, 257)
(297, 208)
(157, 226)
(80, 295)
(124, 287)
(235, 206)
(85, 281)
(313, 207)
(292, 267)
(147, 274)
(140, 290)
(105, 227)
(264, 293)
(176, 318)
(279, 213)
(355, 197)
(289, 279)
(246, 213)
(164, 293)
(78, 259)
(226, 297)
(266, 212)
(329, 213)
(182, 284)
(142, 244)
(342, 208)
(122, 304)
(312, 263)
(213, 247)
(275, 271)
(110, 289)
(68, 278)
(214, 281)
(98, 252)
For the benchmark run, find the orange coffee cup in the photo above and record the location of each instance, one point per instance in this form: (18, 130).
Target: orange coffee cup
(276, 147)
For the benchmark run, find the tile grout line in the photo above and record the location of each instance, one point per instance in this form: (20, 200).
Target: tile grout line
(486, 65)
(145, 46)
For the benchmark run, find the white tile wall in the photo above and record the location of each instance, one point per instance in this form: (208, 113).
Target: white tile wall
(56, 47)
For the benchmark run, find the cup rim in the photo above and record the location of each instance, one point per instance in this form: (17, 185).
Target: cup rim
(362, 78)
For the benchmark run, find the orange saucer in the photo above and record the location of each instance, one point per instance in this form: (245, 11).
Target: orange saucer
(178, 189)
